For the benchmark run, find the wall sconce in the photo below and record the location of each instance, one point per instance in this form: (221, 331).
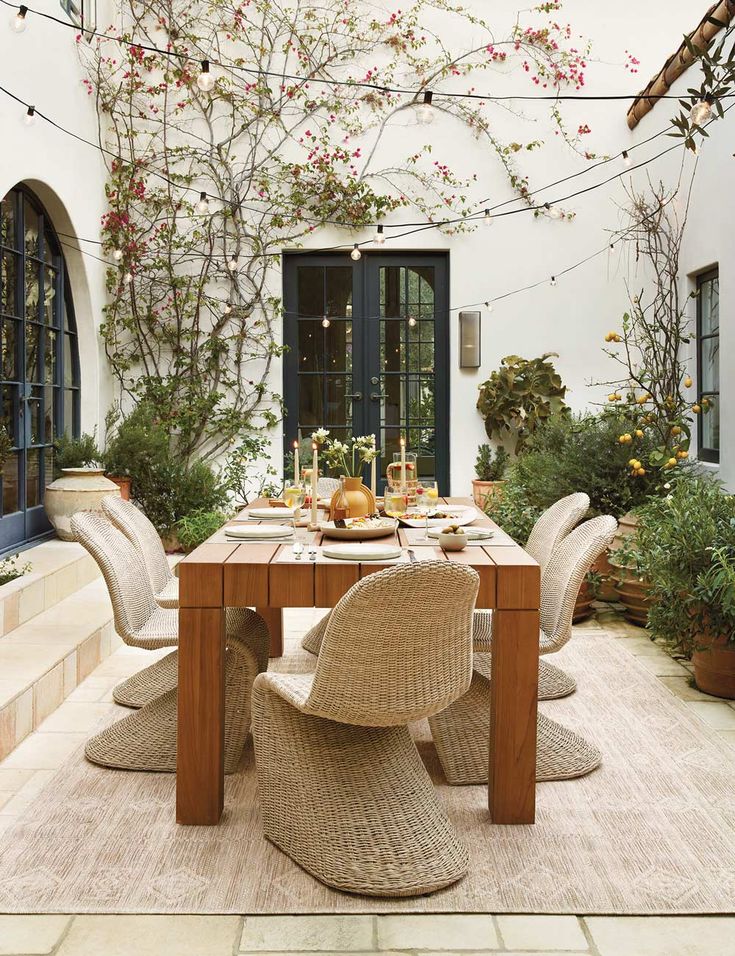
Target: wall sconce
(469, 339)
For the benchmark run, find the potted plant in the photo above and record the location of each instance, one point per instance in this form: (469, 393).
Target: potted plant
(519, 396)
(632, 586)
(347, 459)
(489, 471)
(80, 484)
(687, 547)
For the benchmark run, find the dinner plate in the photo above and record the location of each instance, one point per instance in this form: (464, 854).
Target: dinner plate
(271, 514)
(461, 515)
(361, 552)
(474, 534)
(356, 534)
(258, 532)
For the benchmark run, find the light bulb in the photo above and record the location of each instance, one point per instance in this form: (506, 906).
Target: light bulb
(411, 321)
(701, 112)
(553, 281)
(227, 308)
(553, 212)
(202, 207)
(325, 322)
(19, 22)
(117, 255)
(355, 255)
(379, 237)
(233, 263)
(30, 116)
(487, 219)
(627, 161)
(489, 306)
(205, 80)
(425, 113)
(128, 278)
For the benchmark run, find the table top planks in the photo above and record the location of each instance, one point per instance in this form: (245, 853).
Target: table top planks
(248, 574)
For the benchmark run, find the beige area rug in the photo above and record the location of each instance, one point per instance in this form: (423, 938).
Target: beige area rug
(651, 831)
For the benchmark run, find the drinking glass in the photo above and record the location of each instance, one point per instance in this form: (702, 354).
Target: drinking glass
(294, 496)
(395, 502)
(427, 496)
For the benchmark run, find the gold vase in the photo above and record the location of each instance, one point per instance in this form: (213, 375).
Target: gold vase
(358, 495)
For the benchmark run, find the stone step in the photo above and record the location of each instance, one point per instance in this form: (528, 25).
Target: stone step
(58, 569)
(43, 659)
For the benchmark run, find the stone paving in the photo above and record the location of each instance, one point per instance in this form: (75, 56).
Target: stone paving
(27, 769)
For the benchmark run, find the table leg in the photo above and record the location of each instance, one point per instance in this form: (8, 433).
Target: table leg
(513, 710)
(200, 758)
(273, 617)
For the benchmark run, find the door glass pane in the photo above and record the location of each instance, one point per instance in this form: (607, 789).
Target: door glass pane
(311, 290)
(10, 336)
(31, 228)
(8, 266)
(311, 351)
(310, 403)
(33, 352)
(11, 411)
(710, 368)
(49, 358)
(338, 409)
(709, 423)
(50, 250)
(339, 291)
(33, 291)
(69, 411)
(8, 222)
(48, 466)
(49, 295)
(33, 477)
(34, 413)
(709, 293)
(11, 499)
(69, 344)
(48, 415)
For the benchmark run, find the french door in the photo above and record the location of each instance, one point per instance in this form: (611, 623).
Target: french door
(368, 344)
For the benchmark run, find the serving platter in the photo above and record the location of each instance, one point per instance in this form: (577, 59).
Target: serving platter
(443, 516)
(359, 532)
(473, 534)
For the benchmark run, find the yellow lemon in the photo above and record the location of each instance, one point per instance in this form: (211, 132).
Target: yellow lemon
(696, 409)
(639, 433)
(687, 382)
(641, 471)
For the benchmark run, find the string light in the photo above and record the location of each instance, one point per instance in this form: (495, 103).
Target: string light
(233, 263)
(18, 23)
(487, 218)
(325, 323)
(128, 278)
(202, 207)
(205, 80)
(411, 321)
(553, 282)
(553, 212)
(30, 118)
(627, 161)
(701, 112)
(489, 306)
(379, 237)
(227, 309)
(425, 113)
(355, 255)
(117, 255)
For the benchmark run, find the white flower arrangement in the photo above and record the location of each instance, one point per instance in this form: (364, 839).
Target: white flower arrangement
(348, 457)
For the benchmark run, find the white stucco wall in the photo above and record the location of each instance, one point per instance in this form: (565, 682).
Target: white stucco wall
(41, 66)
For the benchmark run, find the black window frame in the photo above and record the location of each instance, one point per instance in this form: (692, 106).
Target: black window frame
(704, 453)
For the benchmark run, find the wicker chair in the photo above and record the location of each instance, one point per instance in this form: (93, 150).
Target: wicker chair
(146, 740)
(326, 487)
(461, 731)
(342, 787)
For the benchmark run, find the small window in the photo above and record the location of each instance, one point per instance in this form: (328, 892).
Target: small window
(708, 364)
(73, 10)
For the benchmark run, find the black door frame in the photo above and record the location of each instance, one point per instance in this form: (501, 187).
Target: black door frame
(365, 357)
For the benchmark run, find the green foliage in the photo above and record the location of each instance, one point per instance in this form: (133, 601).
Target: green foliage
(9, 569)
(75, 452)
(195, 528)
(172, 490)
(512, 510)
(573, 453)
(6, 444)
(136, 444)
(246, 474)
(519, 396)
(488, 468)
(686, 542)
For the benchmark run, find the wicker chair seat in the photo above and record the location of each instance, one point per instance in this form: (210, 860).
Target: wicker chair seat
(169, 596)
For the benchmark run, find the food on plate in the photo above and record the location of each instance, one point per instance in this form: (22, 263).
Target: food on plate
(366, 521)
(437, 515)
(453, 529)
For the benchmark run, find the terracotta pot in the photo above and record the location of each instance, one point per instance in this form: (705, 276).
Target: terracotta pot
(124, 484)
(78, 489)
(606, 590)
(714, 666)
(359, 496)
(583, 608)
(633, 593)
(482, 490)
(171, 543)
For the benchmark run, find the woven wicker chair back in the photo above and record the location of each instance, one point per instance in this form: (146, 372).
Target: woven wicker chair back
(398, 646)
(564, 574)
(554, 525)
(122, 567)
(326, 487)
(138, 528)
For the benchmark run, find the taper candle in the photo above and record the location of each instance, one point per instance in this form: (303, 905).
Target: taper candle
(296, 462)
(374, 478)
(403, 462)
(314, 480)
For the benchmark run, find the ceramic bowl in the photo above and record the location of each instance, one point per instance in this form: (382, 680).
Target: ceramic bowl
(452, 542)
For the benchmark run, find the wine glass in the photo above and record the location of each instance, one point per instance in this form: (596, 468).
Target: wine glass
(294, 496)
(427, 495)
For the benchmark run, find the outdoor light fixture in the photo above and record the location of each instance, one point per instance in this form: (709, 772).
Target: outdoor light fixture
(205, 80)
(469, 339)
(701, 111)
(627, 161)
(355, 255)
(426, 112)
(325, 322)
(202, 207)
(19, 22)
(379, 237)
(30, 116)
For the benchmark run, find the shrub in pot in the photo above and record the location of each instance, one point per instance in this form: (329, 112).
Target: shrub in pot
(490, 471)
(80, 484)
(135, 444)
(687, 549)
(632, 587)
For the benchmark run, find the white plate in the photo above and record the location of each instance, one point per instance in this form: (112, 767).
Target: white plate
(258, 532)
(461, 515)
(356, 534)
(474, 534)
(361, 552)
(270, 513)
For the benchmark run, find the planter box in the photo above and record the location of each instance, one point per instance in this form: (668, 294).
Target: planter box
(482, 490)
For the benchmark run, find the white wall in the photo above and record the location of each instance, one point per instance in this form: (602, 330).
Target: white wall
(41, 66)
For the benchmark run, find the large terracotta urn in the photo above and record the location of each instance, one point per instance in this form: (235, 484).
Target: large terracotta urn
(359, 496)
(78, 489)
(714, 666)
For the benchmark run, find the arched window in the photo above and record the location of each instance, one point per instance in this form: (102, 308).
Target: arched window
(39, 375)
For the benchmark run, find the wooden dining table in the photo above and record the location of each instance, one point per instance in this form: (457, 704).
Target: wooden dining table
(224, 573)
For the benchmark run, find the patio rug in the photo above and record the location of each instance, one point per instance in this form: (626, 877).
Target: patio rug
(651, 831)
